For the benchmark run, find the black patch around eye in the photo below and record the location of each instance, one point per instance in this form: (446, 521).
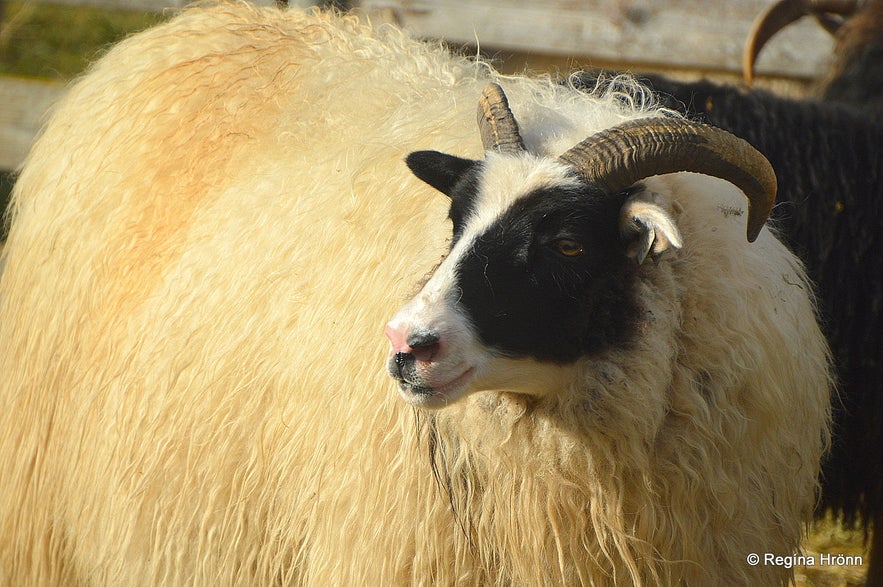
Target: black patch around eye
(527, 301)
(566, 247)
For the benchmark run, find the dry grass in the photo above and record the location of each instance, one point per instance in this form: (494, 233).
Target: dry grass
(827, 537)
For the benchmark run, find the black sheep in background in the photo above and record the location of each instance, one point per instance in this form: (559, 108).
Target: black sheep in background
(827, 151)
(829, 164)
(855, 75)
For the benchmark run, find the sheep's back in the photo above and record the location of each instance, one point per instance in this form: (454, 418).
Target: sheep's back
(206, 242)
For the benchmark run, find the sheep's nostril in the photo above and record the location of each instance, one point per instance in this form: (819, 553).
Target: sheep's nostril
(422, 338)
(402, 359)
(404, 365)
(418, 345)
(425, 345)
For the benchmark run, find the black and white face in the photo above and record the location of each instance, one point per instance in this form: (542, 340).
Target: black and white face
(537, 277)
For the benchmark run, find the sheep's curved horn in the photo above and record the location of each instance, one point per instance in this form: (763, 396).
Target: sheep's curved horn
(496, 123)
(779, 15)
(618, 157)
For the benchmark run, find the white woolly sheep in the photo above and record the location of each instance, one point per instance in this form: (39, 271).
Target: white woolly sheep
(833, 220)
(206, 243)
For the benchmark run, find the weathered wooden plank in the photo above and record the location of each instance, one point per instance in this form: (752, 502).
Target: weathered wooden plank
(25, 103)
(151, 5)
(688, 34)
(131, 5)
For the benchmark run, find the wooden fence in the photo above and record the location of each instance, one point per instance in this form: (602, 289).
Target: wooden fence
(645, 35)
(25, 103)
(701, 36)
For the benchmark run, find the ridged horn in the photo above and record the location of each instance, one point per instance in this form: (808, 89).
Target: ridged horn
(496, 123)
(779, 15)
(618, 157)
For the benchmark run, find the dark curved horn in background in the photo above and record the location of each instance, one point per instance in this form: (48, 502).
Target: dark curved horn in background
(779, 15)
(496, 123)
(616, 158)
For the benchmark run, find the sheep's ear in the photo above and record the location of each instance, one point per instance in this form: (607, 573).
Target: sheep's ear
(647, 226)
(440, 170)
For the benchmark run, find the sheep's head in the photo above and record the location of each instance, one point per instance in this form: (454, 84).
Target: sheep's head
(545, 252)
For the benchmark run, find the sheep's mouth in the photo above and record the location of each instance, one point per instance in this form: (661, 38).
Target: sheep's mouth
(436, 396)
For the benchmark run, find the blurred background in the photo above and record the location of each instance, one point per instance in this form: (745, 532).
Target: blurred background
(45, 44)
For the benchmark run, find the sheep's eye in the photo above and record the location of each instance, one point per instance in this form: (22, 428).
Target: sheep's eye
(567, 247)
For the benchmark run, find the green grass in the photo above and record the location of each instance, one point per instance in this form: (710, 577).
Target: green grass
(55, 41)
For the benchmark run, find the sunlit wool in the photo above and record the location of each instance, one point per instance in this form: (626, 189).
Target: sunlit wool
(206, 243)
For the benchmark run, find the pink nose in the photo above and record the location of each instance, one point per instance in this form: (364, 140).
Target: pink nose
(398, 338)
(422, 345)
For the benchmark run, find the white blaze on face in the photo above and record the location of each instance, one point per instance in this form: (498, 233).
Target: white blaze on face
(436, 354)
